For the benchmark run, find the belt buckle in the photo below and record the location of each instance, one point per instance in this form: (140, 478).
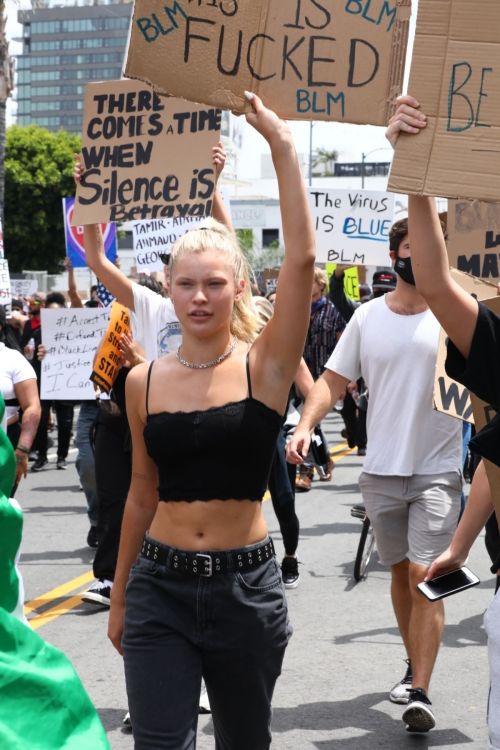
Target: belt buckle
(208, 573)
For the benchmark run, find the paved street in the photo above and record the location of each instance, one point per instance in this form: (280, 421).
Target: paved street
(345, 653)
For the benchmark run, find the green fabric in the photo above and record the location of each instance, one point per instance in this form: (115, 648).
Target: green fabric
(43, 704)
(11, 523)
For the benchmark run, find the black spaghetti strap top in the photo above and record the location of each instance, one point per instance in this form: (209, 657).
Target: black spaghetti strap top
(221, 453)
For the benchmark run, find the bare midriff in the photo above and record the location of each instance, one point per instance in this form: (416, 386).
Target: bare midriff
(209, 525)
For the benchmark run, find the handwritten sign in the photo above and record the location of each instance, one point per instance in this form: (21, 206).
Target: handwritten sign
(75, 248)
(351, 280)
(352, 226)
(474, 238)
(154, 237)
(23, 287)
(450, 397)
(5, 293)
(109, 358)
(145, 156)
(71, 337)
(455, 76)
(308, 59)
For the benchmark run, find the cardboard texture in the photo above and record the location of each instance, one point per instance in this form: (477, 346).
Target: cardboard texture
(484, 413)
(450, 397)
(455, 76)
(474, 238)
(109, 358)
(339, 60)
(145, 156)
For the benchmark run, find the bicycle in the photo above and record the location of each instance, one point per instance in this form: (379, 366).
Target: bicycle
(366, 543)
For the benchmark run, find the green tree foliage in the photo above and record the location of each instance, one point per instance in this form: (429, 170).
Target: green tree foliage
(38, 174)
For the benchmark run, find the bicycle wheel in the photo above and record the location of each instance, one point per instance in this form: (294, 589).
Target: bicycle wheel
(365, 549)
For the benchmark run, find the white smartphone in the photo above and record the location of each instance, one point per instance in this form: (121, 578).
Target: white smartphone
(447, 584)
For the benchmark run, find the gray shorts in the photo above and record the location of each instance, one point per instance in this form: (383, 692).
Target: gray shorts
(413, 517)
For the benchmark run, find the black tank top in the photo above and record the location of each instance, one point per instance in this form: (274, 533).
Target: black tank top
(221, 453)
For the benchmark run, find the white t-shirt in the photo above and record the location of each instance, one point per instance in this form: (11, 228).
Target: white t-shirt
(155, 323)
(396, 355)
(14, 368)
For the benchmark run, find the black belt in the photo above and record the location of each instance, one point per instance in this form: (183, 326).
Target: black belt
(206, 563)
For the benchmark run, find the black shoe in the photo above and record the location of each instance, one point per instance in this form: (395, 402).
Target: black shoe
(418, 715)
(92, 537)
(61, 463)
(39, 464)
(99, 592)
(361, 451)
(290, 572)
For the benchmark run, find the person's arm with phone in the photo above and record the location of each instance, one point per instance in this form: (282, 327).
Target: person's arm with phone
(478, 509)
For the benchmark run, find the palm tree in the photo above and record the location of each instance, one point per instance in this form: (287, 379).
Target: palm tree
(327, 158)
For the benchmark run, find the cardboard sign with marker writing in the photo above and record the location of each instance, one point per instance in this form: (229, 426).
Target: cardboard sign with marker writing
(455, 76)
(337, 60)
(109, 358)
(450, 397)
(474, 238)
(144, 156)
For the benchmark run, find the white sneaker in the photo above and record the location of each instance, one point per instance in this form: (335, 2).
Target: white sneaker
(399, 693)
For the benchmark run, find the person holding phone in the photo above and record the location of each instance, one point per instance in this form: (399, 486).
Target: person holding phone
(473, 359)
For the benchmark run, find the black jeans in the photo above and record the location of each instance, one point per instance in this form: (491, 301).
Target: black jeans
(282, 489)
(231, 629)
(355, 423)
(64, 413)
(113, 472)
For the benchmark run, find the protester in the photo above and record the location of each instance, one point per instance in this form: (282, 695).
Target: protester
(325, 327)
(411, 483)
(19, 391)
(472, 359)
(211, 434)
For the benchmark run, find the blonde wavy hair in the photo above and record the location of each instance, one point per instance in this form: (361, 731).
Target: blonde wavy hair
(212, 235)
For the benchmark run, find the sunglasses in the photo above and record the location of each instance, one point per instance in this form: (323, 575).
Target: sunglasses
(165, 258)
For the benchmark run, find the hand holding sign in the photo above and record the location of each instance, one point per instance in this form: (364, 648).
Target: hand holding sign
(264, 120)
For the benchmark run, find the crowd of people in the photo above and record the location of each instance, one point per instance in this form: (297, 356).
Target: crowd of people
(220, 396)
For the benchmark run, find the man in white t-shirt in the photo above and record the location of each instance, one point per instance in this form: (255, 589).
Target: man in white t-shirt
(411, 483)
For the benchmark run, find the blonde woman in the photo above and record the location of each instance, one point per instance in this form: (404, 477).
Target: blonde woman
(204, 596)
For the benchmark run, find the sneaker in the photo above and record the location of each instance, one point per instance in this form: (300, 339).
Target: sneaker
(304, 479)
(92, 538)
(328, 471)
(400, 691)
(99, 592)
(204, 703)
(290, 572)
(39, 464)
(418, 715)
(61, 464)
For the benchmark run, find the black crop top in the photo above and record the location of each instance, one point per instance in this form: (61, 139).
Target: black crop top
(224, 452)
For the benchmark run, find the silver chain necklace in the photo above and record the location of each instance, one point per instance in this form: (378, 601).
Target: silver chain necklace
(206, 365)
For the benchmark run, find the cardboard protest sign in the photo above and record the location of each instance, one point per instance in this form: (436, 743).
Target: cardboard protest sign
(351, 280)
(75, 248)
(474, 238)
(145, 156)
(337, 60)
(71, 337)
(352, 226)
(450, 397)
(109, 359)
(5, 293)
(455, 76)
(151, 238)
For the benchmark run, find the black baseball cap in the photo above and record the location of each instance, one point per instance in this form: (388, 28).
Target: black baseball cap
(384, 281)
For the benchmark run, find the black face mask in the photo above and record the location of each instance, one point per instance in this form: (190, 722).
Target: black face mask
(403, 269)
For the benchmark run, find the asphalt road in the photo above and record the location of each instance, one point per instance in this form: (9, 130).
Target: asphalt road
(345, 653)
